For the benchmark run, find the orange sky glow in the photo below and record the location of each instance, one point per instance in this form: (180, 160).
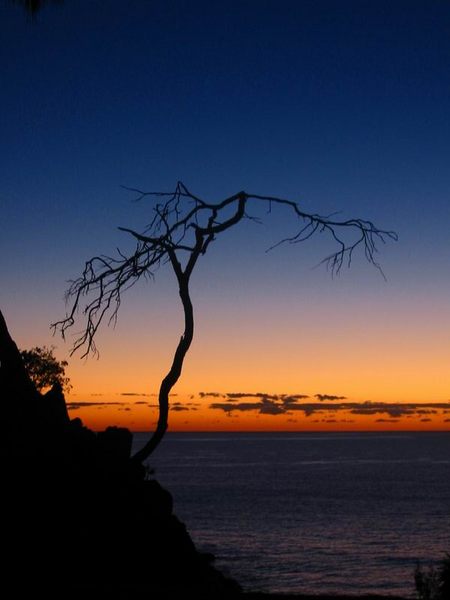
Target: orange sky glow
(186, 417)
(383, 348)
(397, 356)
(374, 365)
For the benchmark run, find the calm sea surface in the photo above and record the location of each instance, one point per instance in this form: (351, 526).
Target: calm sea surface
(317, 513)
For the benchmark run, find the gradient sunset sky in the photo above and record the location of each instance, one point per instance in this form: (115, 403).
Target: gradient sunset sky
(340, 105)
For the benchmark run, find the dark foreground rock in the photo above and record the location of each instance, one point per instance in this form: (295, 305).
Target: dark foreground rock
(80, 519)
(76, 522)
(79, 516)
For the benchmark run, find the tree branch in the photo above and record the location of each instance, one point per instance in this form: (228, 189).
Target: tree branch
(181, 230)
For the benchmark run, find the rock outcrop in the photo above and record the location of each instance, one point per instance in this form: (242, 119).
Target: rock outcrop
(79, 516)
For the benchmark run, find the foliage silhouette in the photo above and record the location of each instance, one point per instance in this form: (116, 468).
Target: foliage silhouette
(433, 584)
(44, 369)
(32, 7)
(182, 228)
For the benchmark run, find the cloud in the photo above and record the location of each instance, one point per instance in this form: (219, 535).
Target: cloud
(234, 396)
(75, 405)
(323, 397)
(268, 407)
(179, 406)
(101, 405)
(310, 409)
(241, 406)
(294, 398)
(393, 410)
(264, 406)
(140, 394)
(387, 420)
(136, 394)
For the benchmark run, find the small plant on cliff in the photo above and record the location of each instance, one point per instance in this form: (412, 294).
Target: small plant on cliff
(44, 369)
(433, 584)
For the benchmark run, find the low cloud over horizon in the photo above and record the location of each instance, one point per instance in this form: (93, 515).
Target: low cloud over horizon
(99, 404)
(389, 412)
(234, 396)
(327, 408)
(175, 406)
(88, 404)
(324, 397)
(286, 398)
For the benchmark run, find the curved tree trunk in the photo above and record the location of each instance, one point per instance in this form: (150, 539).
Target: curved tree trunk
(173, 375)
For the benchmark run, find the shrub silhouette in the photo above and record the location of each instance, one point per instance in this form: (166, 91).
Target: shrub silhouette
(44, 369)
(433, 584)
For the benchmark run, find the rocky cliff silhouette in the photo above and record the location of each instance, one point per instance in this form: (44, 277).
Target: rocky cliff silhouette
(79, 515)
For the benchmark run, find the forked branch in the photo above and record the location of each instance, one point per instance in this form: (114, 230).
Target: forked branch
(181, 230)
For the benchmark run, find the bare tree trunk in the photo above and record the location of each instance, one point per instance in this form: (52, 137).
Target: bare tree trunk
(173, 375)
(183, 226)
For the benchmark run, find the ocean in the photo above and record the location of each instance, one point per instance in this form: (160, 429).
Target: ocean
(312, 512)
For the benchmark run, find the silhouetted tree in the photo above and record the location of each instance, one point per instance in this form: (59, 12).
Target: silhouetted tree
(182, 228)
(44, 369)
(445, 577)
(433, 584)
(31, 419)
(32, 7)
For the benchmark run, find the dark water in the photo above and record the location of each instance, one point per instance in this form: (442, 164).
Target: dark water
(317, 513)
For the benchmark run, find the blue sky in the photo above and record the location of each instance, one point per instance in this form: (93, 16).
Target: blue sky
(342, 105)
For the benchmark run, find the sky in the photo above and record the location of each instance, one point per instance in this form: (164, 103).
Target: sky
(342, 106)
